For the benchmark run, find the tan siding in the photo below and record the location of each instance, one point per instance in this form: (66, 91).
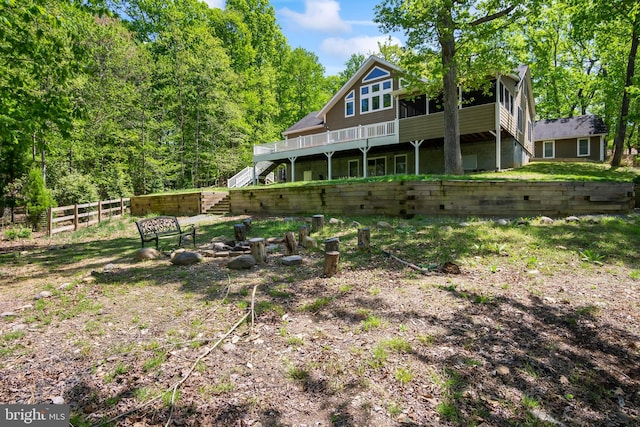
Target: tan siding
(476, 119)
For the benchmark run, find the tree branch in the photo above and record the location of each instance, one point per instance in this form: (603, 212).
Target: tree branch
(493, 16)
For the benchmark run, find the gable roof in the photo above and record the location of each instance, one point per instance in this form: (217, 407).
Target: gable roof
(358, 75)
(572, 127)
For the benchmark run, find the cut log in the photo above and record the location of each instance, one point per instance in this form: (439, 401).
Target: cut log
(290, 243)
(331, 263)
(364, 239)
(332, 245)
(317, 223)
(247, 224)
(303, 232)
(240, 232)
(258, 249)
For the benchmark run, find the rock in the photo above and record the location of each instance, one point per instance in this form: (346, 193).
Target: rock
(19, 327)
(384, 224)
(43, 294)
(187, 258)
(572, 219)
(58, 400)
(8, 314)
(220, 246)
(447, 228)
(228, 347)
(502, 221)
(336, 221)
(243, 262)
(503, 370)
(356, 224)
(109, 268)
(291, 260)
(310, 242)
(148, 254)
(272, 248)
(465, 224)
(450, 268)
(546, 220)
(65, 286)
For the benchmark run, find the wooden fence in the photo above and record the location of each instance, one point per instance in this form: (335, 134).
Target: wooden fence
(70, 218)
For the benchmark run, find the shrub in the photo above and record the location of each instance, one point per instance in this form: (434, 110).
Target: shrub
(38, 197)
(75, 188)
(17, 233)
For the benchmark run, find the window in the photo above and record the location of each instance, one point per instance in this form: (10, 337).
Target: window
(584, 147)
(375, 97)
(548, 149)
(400, 164)
(349, 104)
(520, 120)
(377, 166)
(530, 131)
(506, 98)
(411, 107)
(354, 168)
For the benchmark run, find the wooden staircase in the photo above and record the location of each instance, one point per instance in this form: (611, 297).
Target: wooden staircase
(218, 206)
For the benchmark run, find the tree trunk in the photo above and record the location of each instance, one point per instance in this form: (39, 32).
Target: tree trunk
(332, 245)
(364, 239)
(624, 110)
(303, 232)
(331, 263)
(240, 232)
(258, 249)
(452, 153)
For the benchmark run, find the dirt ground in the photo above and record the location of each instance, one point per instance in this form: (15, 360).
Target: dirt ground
(379, 344)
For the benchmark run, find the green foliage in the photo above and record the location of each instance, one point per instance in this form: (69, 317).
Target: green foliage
(17, 233)
(75, 188)
(38, 198)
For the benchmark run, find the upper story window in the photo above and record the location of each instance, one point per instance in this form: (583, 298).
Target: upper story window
(350, 104)
(506, 98)
(520, 120)
(376, 97)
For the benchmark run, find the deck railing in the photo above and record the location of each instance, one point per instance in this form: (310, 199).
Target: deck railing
(328, 138)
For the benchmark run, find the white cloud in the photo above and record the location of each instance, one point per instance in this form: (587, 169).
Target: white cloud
(321, 15)
(344, 47)
(215, 3)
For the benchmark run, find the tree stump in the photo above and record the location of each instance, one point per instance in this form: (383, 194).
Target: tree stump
(332, 245)
(317, 223)
(247, 224)
(290, 243)
(303, 232)
(258, 249)
(331, 263)
(364, 239)
(240, 232)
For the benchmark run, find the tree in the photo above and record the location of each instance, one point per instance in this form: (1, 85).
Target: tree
(468, 37)
(38, 198)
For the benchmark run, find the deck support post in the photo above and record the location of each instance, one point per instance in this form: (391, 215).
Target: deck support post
(364, 150)
(293, 168)
(329, 156)
(416, 145)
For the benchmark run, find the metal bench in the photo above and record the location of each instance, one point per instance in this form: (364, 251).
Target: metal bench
(160, 227)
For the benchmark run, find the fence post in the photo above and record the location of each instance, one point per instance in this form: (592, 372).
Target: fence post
(50, 221)
(99, 211)
(121, 206)
(75, 217)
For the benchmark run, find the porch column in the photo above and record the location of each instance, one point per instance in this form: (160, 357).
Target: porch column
(255, 178)
(293, 168)
(416, 146)
(498, 126)
(329, 156)
(364, 150)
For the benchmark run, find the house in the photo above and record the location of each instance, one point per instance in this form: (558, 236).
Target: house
(576, 138)
(373, 127)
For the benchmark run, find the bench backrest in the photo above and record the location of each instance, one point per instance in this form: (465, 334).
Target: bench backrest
(159, 225)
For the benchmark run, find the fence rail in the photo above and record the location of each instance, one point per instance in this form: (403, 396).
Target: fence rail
(69, 218)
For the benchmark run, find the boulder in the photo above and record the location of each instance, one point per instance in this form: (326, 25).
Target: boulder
(243, 262)
(148, 253)
(336, 221)
(384, 224)
(502, 221)
(187, 258)
(310, 242)
(546, 220)
(572, 219)
(291, 260)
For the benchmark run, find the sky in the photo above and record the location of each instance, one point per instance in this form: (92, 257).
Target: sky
(331, 29)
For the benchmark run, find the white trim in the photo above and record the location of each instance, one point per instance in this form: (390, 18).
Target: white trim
(385, 75)
(588, 147)
(553, 149)
(379, 94)
(350, 98)
(395, 164)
